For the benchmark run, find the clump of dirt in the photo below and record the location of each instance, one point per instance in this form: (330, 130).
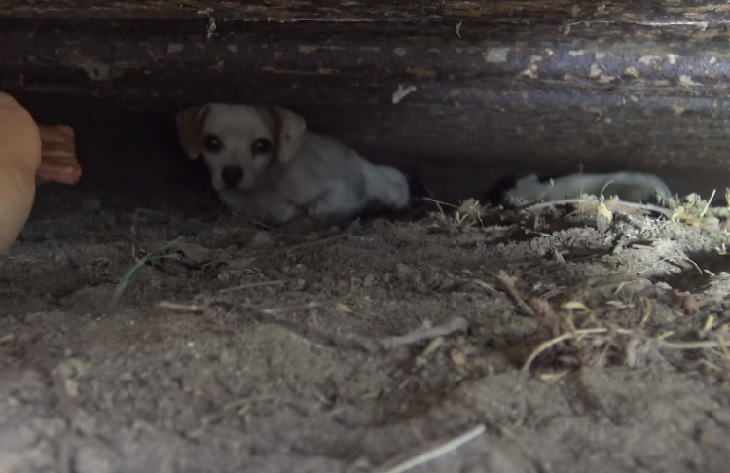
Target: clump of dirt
(489, 340)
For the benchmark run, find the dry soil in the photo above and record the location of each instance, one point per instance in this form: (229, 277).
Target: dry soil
(143, 340)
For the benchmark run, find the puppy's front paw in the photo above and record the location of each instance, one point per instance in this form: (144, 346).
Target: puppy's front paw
(339, 202)
(393, 190)
(261, 206)
(323, 209)
(279, 214)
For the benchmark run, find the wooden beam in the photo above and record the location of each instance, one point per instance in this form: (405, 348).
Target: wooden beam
(605, 84)
(644, 12)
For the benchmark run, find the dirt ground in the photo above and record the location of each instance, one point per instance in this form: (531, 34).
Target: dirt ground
(143, 340)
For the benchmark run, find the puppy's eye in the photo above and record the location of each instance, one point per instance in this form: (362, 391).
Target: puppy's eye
(212, 143)
(261, 146)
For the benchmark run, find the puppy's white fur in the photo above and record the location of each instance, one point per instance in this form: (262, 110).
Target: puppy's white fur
(629, 186)
(302, 173)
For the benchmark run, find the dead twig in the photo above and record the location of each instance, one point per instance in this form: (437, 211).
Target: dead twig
(176, 306)
(372, 344)
(430, 452)
(293, 307)
(554, 341)
(351, 340)
(240, 287)
(278, 316)
(671, 259)
(691, 345)
(709, 202)
(320, 241)
(592, 332)
(507, 284)
(457, 324)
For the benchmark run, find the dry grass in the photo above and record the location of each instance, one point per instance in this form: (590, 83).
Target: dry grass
(148, 257)
(467, 214)
(571, 331)
(633, 343)
(594, 340)
(403, 463)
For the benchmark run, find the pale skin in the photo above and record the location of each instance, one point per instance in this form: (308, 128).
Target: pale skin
(20, 157)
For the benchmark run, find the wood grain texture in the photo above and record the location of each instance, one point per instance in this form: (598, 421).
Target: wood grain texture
(647, 12)
(605, 84)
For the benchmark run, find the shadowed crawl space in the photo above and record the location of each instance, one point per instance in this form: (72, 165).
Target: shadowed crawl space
(156, 337)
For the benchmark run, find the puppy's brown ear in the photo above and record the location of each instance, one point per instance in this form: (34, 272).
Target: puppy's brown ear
(289, 128)
(190, 129)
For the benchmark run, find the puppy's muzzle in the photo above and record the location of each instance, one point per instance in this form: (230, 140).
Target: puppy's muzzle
(231, 176)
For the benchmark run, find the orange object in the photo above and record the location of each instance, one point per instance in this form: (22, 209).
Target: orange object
(20, 157)
(58, 155)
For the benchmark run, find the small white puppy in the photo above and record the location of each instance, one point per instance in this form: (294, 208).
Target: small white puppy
(264, 162)
(629, 186)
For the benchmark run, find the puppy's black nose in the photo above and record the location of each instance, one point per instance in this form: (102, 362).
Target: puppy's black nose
(231, 175)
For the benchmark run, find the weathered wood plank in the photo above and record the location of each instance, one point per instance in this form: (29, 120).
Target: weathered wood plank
(240, 62)
(645, 12)
(605, 84)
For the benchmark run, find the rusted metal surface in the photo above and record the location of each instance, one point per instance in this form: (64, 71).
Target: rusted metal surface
(605, 84)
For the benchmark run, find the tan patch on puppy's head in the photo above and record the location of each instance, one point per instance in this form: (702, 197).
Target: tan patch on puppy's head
(190, 124)
(289, 129)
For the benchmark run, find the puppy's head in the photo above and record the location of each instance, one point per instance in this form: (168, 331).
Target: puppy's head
(241, 144)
